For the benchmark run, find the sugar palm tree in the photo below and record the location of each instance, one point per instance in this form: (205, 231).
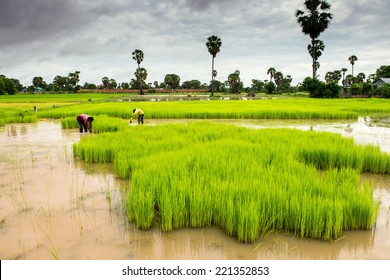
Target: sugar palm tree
(214, 46)
(138, 56)
(344, 70)
(315, 50)
(314, 21)
(352, 60)
(271, 72)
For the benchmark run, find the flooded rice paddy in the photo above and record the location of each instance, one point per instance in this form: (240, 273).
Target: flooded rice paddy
(53, 207)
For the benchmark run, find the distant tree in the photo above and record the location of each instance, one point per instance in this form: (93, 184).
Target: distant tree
(217, 85)
(333, 76)
(141, 75)
(278, 77)
(270, 87)
(352, 60)
(257, 85)
(74, 78)
(360, 77)
(234, 82)
(61, 82)
(125, 85)
(371, 78)
(106, 82)
(112, 84)
(344, 70)
(193, 84)
(37, 82)
(7, 86)
(271, 72)
(383, 72)
(2, 86)
(138, 56)
(214, 46)
(17, 84)
(89, 86)
(285, 85)
(313, 21)
(172, 80)
(349, 79)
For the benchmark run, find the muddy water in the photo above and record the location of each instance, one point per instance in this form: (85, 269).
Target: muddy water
(52, 207)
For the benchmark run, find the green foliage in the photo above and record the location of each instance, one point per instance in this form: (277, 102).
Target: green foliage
(383, 72)
(384, 91)
(319, 89)
(245, 181)
(314, 19)
(7, 86)
(270, 87)
(172, 80)
(2, 87)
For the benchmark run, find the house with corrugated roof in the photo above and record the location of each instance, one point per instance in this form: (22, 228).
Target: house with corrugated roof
(381, 82)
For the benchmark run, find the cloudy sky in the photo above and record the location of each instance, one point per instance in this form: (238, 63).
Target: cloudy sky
(54, 37)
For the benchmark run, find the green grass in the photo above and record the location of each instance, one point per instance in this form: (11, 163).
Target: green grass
(248, 182)
(69, 105)
(282, 108)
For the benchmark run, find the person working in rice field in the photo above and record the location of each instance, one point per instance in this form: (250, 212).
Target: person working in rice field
(85, 122)
(140, 114)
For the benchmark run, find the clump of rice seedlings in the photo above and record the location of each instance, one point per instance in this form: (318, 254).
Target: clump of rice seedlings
(103, 123)
(22, 118)
(248, 182)
(69, 123)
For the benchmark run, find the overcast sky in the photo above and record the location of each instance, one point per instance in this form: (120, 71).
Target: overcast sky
(54, 37)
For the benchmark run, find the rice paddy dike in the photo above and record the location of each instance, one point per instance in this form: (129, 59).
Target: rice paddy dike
(245, 181)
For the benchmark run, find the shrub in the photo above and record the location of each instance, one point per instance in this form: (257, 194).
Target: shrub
(319, 89)
(384, 91)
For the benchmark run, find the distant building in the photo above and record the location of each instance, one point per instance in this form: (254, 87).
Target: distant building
(381, 82)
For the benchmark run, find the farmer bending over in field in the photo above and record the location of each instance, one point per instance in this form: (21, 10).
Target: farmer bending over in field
(85, 122)
(140, 114)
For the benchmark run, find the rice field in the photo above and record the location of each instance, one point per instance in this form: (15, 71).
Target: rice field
(247, 182)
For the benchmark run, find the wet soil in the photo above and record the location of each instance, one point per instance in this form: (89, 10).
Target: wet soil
(53, 207)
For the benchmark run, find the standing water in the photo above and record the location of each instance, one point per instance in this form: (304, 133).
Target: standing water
(53, 207)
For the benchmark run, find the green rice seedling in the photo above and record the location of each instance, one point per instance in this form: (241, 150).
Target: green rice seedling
(69, 123)
(22, 118)
(103, 123)
(248, 182)
(68, 105)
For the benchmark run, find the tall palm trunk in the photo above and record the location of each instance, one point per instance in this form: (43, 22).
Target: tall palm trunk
(212, 77)
(314, 59)
(140, 80)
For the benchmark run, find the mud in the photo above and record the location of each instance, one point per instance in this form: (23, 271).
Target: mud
(53, 207)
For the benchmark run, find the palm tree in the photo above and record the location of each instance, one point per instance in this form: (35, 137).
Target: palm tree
(344, 70)
(271, 72)
(213, 45)
(352, 60)
(141, 75)
(314, 21)
(138, 56)
(315, 51)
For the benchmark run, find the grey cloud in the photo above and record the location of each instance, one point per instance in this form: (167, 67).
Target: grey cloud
(28, 21)
(202, 5)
